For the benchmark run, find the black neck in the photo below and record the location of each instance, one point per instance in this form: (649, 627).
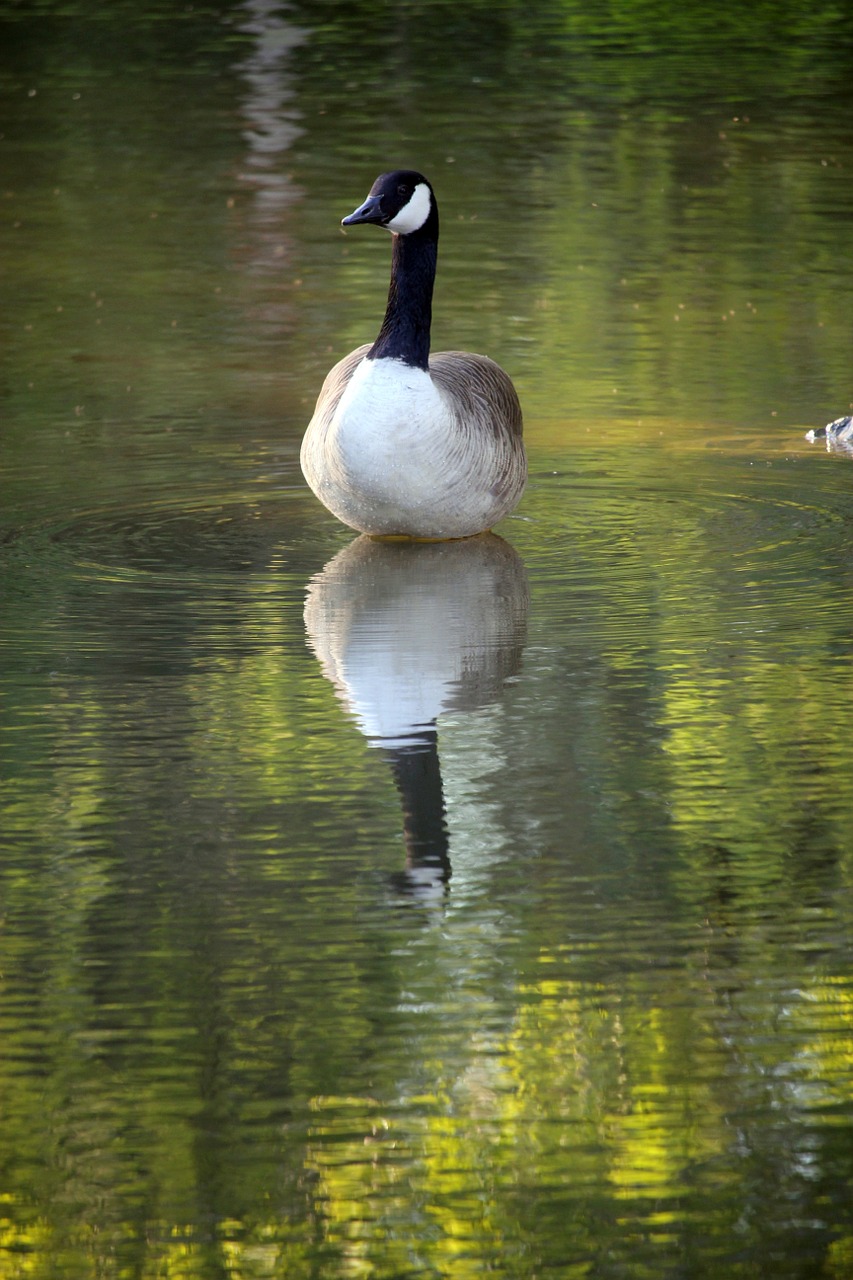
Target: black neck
(405, 330)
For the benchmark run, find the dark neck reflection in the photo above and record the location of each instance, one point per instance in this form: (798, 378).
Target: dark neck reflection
(407, 632)
(417, 773)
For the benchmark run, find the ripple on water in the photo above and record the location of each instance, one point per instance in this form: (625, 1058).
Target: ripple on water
(730, 535)
(139, 574)
(175, 542)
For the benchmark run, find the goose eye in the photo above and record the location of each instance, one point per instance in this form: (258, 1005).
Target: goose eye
(402, 190)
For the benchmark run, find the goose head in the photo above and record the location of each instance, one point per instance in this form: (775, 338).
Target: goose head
(402, 201)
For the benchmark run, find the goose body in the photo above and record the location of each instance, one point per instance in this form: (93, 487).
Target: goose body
(403, 443)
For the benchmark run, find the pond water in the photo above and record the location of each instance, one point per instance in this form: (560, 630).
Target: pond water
(441, 910)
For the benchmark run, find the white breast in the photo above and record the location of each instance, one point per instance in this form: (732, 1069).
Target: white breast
(386, 401)
(386, 462)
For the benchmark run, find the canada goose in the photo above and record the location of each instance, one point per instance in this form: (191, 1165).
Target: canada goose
(401, 443)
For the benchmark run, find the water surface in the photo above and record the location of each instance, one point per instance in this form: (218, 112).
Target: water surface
(425, 911)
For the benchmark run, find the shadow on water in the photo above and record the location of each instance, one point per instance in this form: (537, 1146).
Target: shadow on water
(406, 631)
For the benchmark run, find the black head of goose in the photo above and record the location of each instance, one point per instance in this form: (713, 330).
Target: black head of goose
(403, 443)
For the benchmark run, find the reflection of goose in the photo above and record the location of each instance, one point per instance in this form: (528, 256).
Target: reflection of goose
(405, 631)
(401, 443)
(417, 773)
(259, 225)
(838, 435)
(270, 117)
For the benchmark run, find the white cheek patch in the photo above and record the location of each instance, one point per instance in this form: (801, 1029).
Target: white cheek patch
(414, 214)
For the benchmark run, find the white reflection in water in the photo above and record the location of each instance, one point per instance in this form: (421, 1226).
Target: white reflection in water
(261, 237)
(405, 632)
(271, 126)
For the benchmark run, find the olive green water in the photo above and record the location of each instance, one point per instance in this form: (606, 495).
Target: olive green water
(439, 911)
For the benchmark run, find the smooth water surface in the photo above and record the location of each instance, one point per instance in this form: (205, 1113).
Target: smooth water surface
(481, 908)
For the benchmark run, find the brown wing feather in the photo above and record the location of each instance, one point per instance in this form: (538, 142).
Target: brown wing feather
(336, 382)
(480, 388)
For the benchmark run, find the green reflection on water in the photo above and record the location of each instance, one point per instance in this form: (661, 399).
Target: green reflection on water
(617, 1043)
